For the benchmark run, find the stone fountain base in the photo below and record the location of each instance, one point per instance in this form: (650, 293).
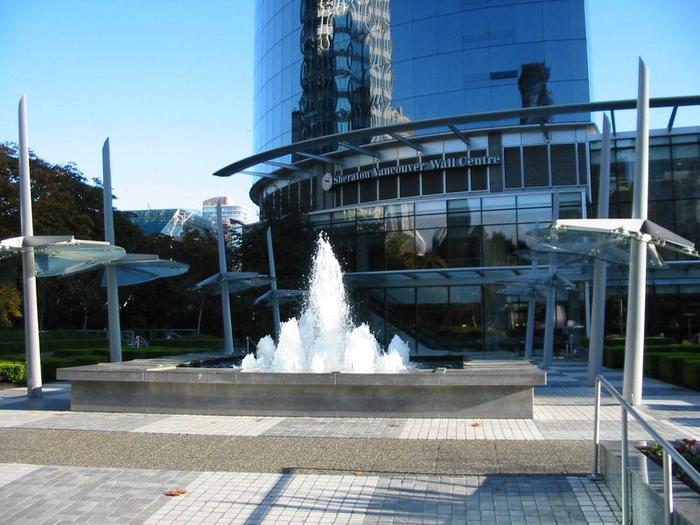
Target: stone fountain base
(499, 389)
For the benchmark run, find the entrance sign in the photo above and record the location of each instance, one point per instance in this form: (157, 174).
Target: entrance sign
(438, 164)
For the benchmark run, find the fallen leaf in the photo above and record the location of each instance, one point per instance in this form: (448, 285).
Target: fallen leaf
(176, 492)
(476, 424)
(359, 472)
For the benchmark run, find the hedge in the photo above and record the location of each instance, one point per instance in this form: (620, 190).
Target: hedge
(197, 341)
(16, 347)
(12, 372)
(691, 374)
(671, 367)
(616, 340)
(675, 364)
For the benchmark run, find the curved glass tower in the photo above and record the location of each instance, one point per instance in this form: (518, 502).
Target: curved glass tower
(327, 66)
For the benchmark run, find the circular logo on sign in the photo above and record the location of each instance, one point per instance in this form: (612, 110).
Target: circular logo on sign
(327, 181)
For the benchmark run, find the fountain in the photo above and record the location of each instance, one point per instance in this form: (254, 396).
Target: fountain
(323, 339)
(321, 366)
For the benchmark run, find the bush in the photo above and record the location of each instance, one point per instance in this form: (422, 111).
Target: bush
(671, 367)
(50, 364)
(151, 352)
(614, 357)
(196, 341)
(652, 364)
(12, 372)
(15, 347)
(81, 352)
(691, 374)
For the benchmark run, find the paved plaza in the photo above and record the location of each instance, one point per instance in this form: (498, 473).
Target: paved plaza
(58, 466)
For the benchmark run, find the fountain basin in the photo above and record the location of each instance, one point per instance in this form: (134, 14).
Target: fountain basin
(500, 389)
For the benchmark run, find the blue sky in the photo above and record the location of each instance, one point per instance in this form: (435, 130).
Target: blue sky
(170, 82)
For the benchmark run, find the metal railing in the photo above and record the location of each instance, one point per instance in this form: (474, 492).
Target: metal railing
(670, 454)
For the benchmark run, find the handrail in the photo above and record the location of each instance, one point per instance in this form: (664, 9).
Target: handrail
(670, 454)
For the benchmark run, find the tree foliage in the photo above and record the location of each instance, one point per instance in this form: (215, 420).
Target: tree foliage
(65, 202)
(293, 241)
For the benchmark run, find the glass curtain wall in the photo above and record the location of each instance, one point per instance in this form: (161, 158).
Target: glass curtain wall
(458, 233)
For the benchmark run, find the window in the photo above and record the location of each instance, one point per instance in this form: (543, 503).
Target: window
(563, 164)
(511, 158)
(535, 165)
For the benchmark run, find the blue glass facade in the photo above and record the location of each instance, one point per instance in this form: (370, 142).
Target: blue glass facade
(445, 57)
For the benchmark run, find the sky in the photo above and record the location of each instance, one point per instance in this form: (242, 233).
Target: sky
(170, 82)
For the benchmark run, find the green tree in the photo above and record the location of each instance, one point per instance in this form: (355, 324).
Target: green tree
(65, 202)
(293, 241)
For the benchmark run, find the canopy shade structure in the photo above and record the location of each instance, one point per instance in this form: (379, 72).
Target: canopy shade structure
(283, 296)
(237, 281)
(137, 268)
(57, 255)
(542, 255)
(609, 239)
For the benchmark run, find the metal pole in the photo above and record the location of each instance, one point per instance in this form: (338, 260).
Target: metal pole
(636, 295)
(225, 299)
(31, 314)
(668, 488)
(550, 321)
(115, 333)
(530, 328)
(273, 284)
(587, 306)
(624, 479)
(596, 431)
(600, 268)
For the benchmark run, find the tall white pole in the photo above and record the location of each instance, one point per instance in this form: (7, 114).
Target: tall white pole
(273, 284)
(225, 299)
(31, 314)
(636, 295)
(115, 339)
(530, 327)
(600, 268)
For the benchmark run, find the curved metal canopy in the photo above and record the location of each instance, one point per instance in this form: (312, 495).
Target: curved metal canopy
(609, 239)
(57, 255)
(283, 296)
(237, 281)
(137, 268)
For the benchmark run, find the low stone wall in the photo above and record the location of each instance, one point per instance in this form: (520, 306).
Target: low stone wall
(646, 487)
(483, 389)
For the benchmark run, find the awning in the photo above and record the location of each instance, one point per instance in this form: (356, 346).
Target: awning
(137, 268)
(609, 239)
(57, 255)
(237, 281)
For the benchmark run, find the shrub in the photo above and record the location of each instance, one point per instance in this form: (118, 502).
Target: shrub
(151, 352)
(50, 364)
(652, 363)
(197, 341)
(79, 352)
(671, 367)
(12, 372)
(614, 357)
(691, 374)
